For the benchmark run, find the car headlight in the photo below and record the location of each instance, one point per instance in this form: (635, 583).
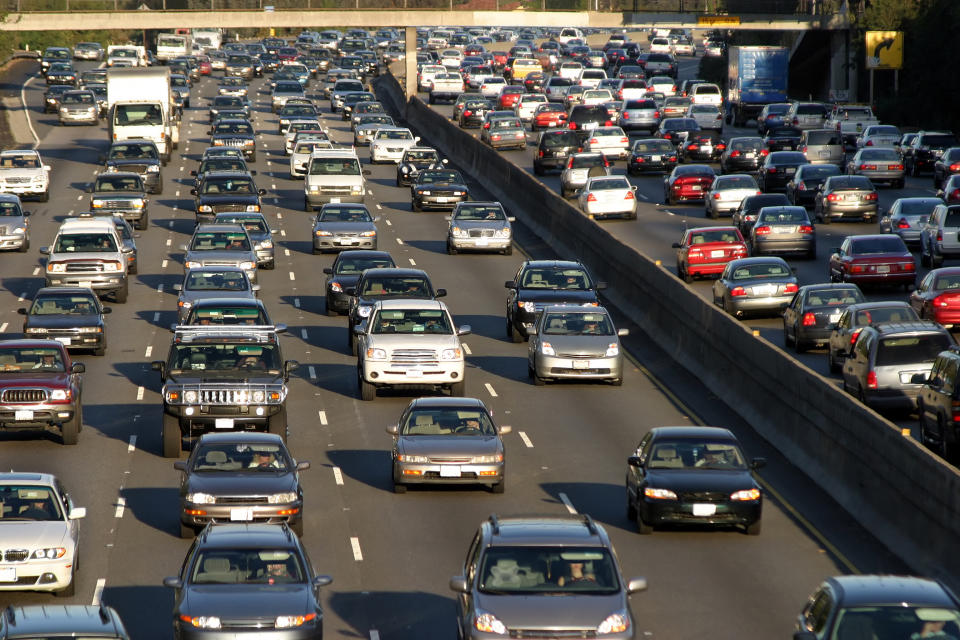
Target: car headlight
(413, 459)
(112, 266)
(614, 623)
(745, 495)
(56, 267)
(547, 349)
(205, 208)
(458, 232)
(137, 203)
(247, 265)
(335, 287)
(266, 244)
(404, 169)
(153, 168)
(424, 193)
(190, 397)
(35, 330)
(374, 353)
(659, 494)
(590, 304)
(60, 394)
(90, 329)
(459, 193)
(322, 233)
(200, 498)
(96, 204)
(356, 189)
(487, 459)
(202, 622)
(282, 498)
(451, 354)
(364, 311)
(368, 234)
(64, 110)
(314, 187)
(49, 553)
(192, 264)
(259, 396)
(503, 233)
(528, 306)
(612, 349)
(253, 208)
(218, 143)
(286, 622)
(487, 622)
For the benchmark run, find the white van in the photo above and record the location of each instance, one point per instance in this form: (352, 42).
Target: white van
(706, 93)
(569, 33)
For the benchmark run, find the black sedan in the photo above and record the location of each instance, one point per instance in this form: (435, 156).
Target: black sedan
(345, 273)
(802, 187)
(226, 191)
(213, 164)
(746, 214)
(541, 283)
(235, 132)
(70, 315)
(743, 155)
(651, 155)
(693, 476)
(52, 96)
(782, 138)
(438, 189)
(702, 146)
(779, 168)
(813, 313)
(240, 477)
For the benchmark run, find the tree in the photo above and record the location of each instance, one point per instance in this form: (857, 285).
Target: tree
(891, 15)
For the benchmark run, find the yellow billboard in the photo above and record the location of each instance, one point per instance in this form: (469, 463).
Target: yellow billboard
(884, 49)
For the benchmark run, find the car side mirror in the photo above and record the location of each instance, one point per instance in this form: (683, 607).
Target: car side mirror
(511, 218)
(464, 330)
(27, 214)
(173, 582)
(448, 218)
(440, 293)
(635, 461)
(623, 332)
(193, 173)
(358, 330)
(636, 584)
(837, 251)
(255, 288)
(322, 580)
(209, 132)
(180, 465)
(393, 429)
(78, 367)
(77, 512)
(193, 192)
(510, 284)
(262, 192)
(45, 251)
(505, 429)
(161, 366)
(178, 287)
(459, 584)
(106, 310)
(303, 465)
(758, 463)
(328, 271)
(289, 366)
(366, 172)
(22, 311)
(89, 189)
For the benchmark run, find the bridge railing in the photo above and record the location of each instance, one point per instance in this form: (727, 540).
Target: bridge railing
(784, 7)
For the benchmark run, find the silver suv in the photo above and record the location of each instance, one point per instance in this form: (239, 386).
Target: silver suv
(543, 577)
(579, 168)
(940, 235)
(88, 252)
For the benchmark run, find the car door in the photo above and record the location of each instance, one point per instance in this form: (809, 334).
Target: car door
(465, 601)
(793, 311)
(635, 474)
(839, 338)
(857, 362)
(535, 340)
(921, 295)
(928, 401)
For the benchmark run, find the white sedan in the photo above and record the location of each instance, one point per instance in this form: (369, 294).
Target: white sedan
(389, 143)
(607, 196)
(612, 142)
(727, 192)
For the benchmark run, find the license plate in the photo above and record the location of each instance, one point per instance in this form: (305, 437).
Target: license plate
(449, 471)
(823, 154)
(704, 509)
(442, 199)
(750, 155)
(765, 290)
(346, 241)
(8, 574)
(791, 170)
(696, 187)
(482, 242)
(581, 364)
(551, 124)
(656, 158)
(86, 283)
(334, 200)
(414, 373)
(23, 414)
(778, 229)
(223, 423)
(241, 515)
(590, 125)
(63, 341)
(719, 253)
(883, 268)
(834, 317)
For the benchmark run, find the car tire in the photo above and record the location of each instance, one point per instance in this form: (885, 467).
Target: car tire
(631, 509)
(754, 528)
(787, 340)
(122, 293)
(70, 431)
(277, 425)
(70, 590)
(171, 437)
(25, 245)
(451, 250)
(500, 487)
(936, 260)
(398, 181)
(187, 532)
(515, 336)
(538, 381)
(101, 350)
(643, 528)
(399, 487)
(671, 201)
(414, 207)
(329, 311)
(458, 389)
(832, 364)
(143, 223)
(798, 344)
(45, 197)
(368, 392)
(508, 251)
(297, 527)
(924, 257)
(537, 169)
(307, 206)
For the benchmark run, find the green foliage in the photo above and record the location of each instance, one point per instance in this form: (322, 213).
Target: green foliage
(40, 40)
(891, 15)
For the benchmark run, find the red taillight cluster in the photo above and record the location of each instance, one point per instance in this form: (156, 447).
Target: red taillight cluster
(762, 231)
(790, 288)
(809, 320)
(872, 380)
(735, 154)
(467, 113)
(903, 224)
(806, 228)
(737, 292)
(868, 167)
(955, 166)
(591, 197)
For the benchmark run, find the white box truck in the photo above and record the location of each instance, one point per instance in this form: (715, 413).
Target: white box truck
(140, 106)
(173, 45)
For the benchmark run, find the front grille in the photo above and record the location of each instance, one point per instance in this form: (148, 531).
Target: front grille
(84, 267)
(347, 234)
(337, 190)
(580, 356)
(566, 371)
(114, 204)
(703, 496)
(451, 460)
(15, 555)
(395, 149)
(18, 180)
(414, 356)
(253, 623)
(219, 263)
(553, 633)
(135, 168)
(241, 499)
(24, 395)
(229, 208)
(482, 233)
(225, 396)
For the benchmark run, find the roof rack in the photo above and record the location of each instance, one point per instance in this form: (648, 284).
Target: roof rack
(591, 525)
(104, 613)
(495, 523)
(258, 332)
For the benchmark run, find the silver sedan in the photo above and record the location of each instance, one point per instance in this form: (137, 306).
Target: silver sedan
(341, 226)
(575, 342)
(879, 164)
(755, 286)
(480, 226)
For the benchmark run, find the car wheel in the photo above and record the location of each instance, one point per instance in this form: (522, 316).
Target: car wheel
(297, 527)
(328, 310)
(70, 589)
(25, 245)
(671, 200)
(508, 251)
(457, 389)
(278, 424)
(798, 345)
(306, 206)
(122, 293)
(924, 257)
(172, 438)
(500, 487)
(515, 336)
(832, 362)
(537, 169)
(414, 206)
(101, 350)
(924, 428)
(936, 260)
(787, 340)
(451, 250)
(70, 431)
(399, 487)
(367, 391)
(187, 532)
(753, 529)
(537, 380)
(643, 528)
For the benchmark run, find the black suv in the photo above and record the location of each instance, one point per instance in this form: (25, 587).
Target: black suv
(225, 191)
(939, 405)
(235, 132)
(385, 284)
(553, 149)
(344, 274)
(242, 577)
(925, 149)
(584, 117)
(63, 621)
(223, 377)
(540, 283)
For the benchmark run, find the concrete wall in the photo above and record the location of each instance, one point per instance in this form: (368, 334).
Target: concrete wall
(900, 491)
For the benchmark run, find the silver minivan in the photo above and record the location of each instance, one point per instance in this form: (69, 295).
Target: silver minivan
(806, 115)
(822, 146)
(940, 235)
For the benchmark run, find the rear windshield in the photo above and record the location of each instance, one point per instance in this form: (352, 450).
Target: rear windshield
(851, 183)
(952, 219)
(833, 297)
(919, 206)
(866, 317)
(566, 139)
(811, 109)
(701, 89)
(821, 138)
(938, 140)
(877, 244)
(900, 350)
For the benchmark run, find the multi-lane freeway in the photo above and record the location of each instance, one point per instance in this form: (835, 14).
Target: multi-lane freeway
(391, 556)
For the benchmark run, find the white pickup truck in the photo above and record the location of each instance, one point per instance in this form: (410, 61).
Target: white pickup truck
(446, 86)
(850, 120)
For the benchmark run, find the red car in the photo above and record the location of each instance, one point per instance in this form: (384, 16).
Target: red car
(206, 68)
(550, 115)
(951, 190)
(688, 182)
(287, 54)
(938, 297)
(500, 59)
(509, 96)
(707, 250)
(881, 259)
(474, 50)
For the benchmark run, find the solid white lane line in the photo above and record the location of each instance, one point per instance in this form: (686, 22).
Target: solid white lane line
(36, 270)
(490, 389)
(312, 372)
(148, 352)
(23, 103)
(357, 554)
(379, 207)
(132, 445)
(3, 327)
(566, 501)
(22, 297)
(170, 224)
(98, 591)
(337, 475)
(296, 302)
(283, 233)
(413, 262)
(160, 288)
(156, 316)
(163, 265)
(303, 333)
(292, 276)
(121, 503)
(466, 348)
(526, 439)
(374, 634)
(140, 393)
(323, 417)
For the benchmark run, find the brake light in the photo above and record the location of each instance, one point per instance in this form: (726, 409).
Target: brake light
(624, 140)
(872, 380)
(801, 186)
(764, 152)
(625, 115)
(486, 125)
(939, 236)
(772, 170)
(629, 196)
(870, 197)
(467, 113)
(734, 154)
(868, 167)
(940, 301)
(737, 292)
(693, 146)
(908, 266)
(608, 123)
(594, 141)
(853, 336)
(762, 231)
(809, 320)
(591, 197)
(540, 153)
(806, 228)
(856, 268)
(833, 197)
(869, 143)
(668, 136)
(955, 194)
(790, 288)
(955, 166)
(903, 224)
(572, 125)
(569, 163)
(716, 196)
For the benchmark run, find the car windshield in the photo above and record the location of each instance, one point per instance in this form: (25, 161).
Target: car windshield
(107, 183)
(28, 502)
(228, 315)
(217, 186)
(24, 358)
(549, 570)
(224, 357)
(334, 167)
(126, 151)
(233, 127)
(409, 321)
(238, 456)
(696, 454)
(791, 216)
(921, 622)
(761, 270)
(352, 265)
(10, 209)
(447, 421)
(62, 303)
(138, 114)
(415, 155)
(569, 279)
(220, 241)
(479, 212)
(78, 98)
(942, 140)
(247, 566)
(877, 244)
(222, 164)
(439, 177)
(577, 323)
(736, 182)
(216, 281)
(344, 214)
(899, 350)
(85, 243)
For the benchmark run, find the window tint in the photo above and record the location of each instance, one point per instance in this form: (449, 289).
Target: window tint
(552, 569)
(896, 350)
(820, 138)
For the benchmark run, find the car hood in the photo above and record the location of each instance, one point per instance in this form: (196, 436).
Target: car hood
(27, 534)
(414, 340)
(700, 479)
(193, 296)
(138, 162)
(220, 257)
(224, 376)
(441, 185)
(64, 321)
(118, 195)
(247, 600)
(518, 611)
(241, 483)
(480, 224)
(345, 226)
(21, 173)
(447, 445)
(33, 378)
(229, 198)
(555, 296)
(579, 345)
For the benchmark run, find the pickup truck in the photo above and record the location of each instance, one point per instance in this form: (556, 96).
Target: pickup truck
(446, 86)
(850, 120)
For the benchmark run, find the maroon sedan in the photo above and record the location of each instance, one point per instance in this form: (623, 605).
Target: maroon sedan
(509, 96)
(706, 251)
(687, 182)
(938, 297)
(873, 259)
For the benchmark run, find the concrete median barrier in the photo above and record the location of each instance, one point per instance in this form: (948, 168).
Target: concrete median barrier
(908, 497)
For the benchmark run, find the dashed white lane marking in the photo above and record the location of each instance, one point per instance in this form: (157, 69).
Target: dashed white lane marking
(670, 213)
(296, 302)
(121, 504)
(355, 544)
(160, 288)
(338, 476)
(526, 439)
(312, 372)
(413, 262)
(644, 197)
(170, 224)
(36, 270)
(132, 445)
(163, 265)
(286, 252)
(183, 168)
(303, 333)
(169, 241)
(156, 316)
(379, 207)
(177, 193)
(389, 224)
(374, 634)
(279, 216)
(80, 197)
(22, 297)
(323, 417)
(283, 233)
(566, 502)
(273, 186)
(292, 276)
(490, 389)
(466, 348)
(399, 241)
(140, 393)
(98, 591)
(3, 327)
(148, 352)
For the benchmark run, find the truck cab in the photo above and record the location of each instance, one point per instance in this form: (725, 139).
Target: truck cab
(141, 105)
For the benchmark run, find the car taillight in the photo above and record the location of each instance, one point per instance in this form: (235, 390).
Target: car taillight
(486, 125)
(955, 408)
(625, 115)
(734, 154)
(833, 197)
(772, 170)
(868, 167)
(790, 288)
(806, 228)
(764, 152)
(801, 186)
(871, 379)
(856, 268)
(955, 194)
(540, 153)
(693, 146)
(668, 136)
(803, 149)
(737, 291)
(870, 197)
(762, 231)
(955, 166)
(594, 141)
(591, 197)
(572, 125)
(903, 224)
(853, 336)
(939, 235)
(467, 113)
(940, 301)
(716, 196)
(608, 123)
(809, 320)
(694, 253)
(624, 140)
(629, 196)
(908, 266)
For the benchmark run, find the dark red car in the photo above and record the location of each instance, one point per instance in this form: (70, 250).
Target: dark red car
(550, 115)
(287, 54)
(881, 259)
(951, 190)
(203, 63)
(500, 59)
(509, 96)
(938, 297)
(707, 250)
(687, 182)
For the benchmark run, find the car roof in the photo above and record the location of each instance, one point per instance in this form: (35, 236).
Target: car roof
(87, 224)
(546, 530)
(119, 174)
(399, 272)
(21, 477)
(258, 437)
(889, 589)
(211, 227)
(829, 285)
(411, 303)
(62, 290)
(226, 173)
(246, 536)
(441, 402)
(556, 264)
(221, 301)
(62, 620)
(9, 197)
(692, 432)
(910, 326)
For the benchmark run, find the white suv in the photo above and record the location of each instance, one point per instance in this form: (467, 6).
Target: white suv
(89, 252)
(39, 533)
(22, 172)
(409, 343)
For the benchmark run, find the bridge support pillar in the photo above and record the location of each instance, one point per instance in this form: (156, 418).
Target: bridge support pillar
(410, 61)
(843, 67)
